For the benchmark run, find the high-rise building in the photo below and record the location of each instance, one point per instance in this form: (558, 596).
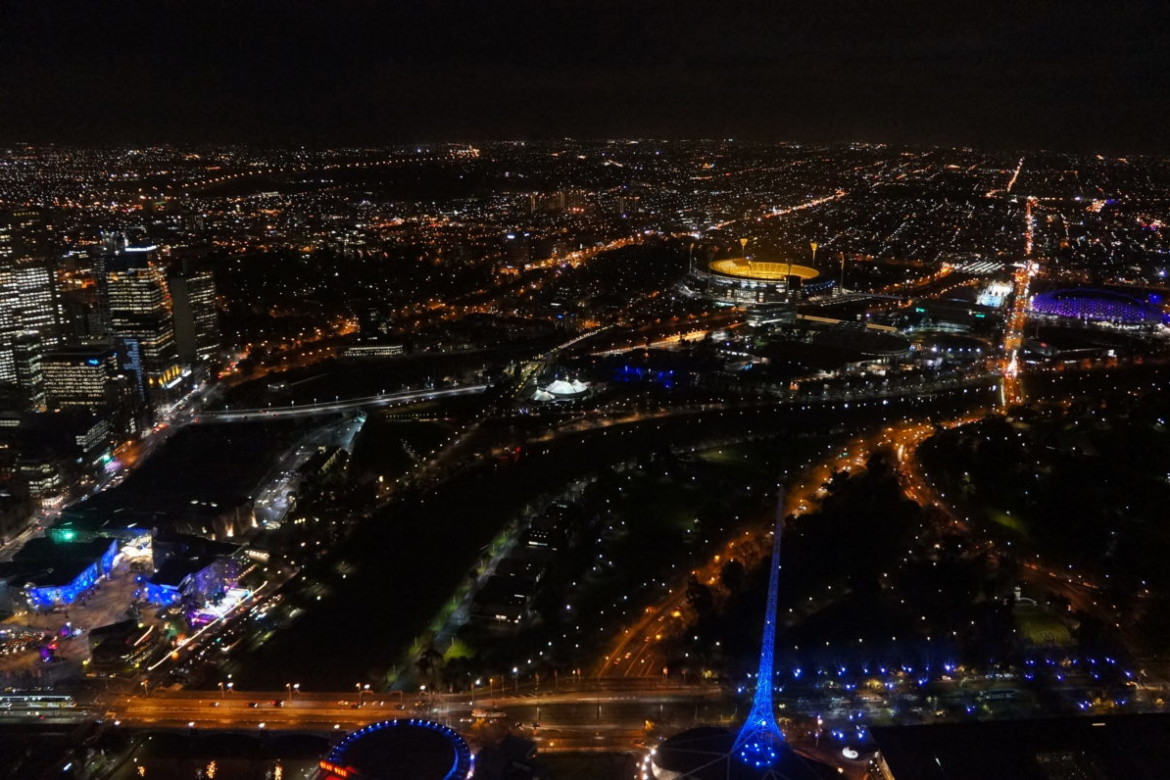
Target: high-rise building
(36, 295)
(24, 232)
(82, 317)
(9, 306)
(28, 351)
(196, 315)
(79, 376)
(139, 305)
(28, 305)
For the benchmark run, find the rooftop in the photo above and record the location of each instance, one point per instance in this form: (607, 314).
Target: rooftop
(762, 270)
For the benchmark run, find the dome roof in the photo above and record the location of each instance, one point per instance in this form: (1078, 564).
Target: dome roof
(413, 749)
(761, 270)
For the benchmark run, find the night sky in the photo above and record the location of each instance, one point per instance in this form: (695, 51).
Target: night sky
(1026, 73)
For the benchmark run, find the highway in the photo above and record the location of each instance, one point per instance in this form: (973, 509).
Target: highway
(329, 407)
(571, 715)
(576, 716)
(1013, 334)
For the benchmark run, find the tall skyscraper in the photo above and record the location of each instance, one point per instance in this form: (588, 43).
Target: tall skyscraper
(28, 351)
(36, 292)
(196, 315)
(138, 303)
(28, 306)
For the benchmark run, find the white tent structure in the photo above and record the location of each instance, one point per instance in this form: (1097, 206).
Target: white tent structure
(561, 390)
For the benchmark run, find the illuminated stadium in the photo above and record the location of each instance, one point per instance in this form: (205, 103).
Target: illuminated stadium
(761, 270)
(746, 281)
(411, 749)
(1098, 306)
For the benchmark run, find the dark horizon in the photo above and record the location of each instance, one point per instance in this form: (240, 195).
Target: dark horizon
(992, 75)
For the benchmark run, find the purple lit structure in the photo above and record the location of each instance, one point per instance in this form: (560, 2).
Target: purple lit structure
(1097, 305)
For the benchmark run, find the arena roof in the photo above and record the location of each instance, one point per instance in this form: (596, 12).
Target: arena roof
(1098, 305)
(412, 749)
(761, 270)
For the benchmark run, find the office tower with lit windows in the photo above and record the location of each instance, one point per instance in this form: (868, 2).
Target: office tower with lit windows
(35, 288)
(28, 350)
(9, 307)
(196, 315)
(24, 232)
(28, 322)
(138, 304)
(79, 376)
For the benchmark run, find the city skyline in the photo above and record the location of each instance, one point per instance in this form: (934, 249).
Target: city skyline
(328, 460)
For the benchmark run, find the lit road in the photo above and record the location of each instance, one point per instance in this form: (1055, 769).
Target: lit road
(629, 718)
(1081, 593)
(606, 716)
(1013, 334)
(580, 256)
(780, 211)
(349, 404)
(669, 342)
(539, 363)
(795, 400)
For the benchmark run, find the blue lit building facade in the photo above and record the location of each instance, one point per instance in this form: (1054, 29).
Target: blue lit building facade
(69, 570)
(198, 575)
(198, 581)
(160, 594)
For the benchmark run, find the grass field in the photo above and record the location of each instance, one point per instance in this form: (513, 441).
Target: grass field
(1041, 627)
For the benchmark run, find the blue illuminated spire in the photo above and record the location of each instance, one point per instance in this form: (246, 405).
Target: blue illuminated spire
(759, 741)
